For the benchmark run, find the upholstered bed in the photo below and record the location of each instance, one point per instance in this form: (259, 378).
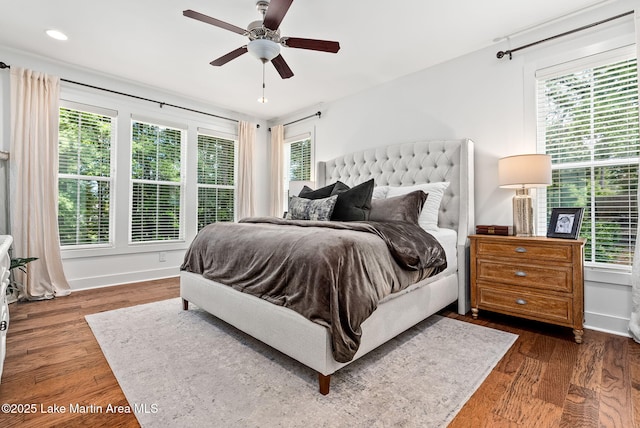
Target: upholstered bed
(398, 167)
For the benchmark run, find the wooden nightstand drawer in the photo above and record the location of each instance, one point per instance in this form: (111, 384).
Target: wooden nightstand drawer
(519, 249)
(557, 278)
(531, 277)
(540, 307)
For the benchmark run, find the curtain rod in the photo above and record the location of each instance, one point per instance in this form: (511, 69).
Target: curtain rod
(509, 52)
(318, 113)
(162, 104)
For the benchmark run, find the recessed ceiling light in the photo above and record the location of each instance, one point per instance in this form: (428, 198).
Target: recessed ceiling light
(55, 34)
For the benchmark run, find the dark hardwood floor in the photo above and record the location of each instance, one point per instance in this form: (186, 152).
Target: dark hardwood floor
(545, 379)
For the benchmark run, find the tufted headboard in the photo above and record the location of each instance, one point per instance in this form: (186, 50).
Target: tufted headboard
(414, 163)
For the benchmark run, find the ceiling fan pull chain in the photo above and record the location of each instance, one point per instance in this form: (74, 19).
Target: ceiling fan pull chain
(263, 99)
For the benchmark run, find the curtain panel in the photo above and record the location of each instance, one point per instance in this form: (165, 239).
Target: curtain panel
(277, 172)
(34, 182)
(634, 322)
(246, 143)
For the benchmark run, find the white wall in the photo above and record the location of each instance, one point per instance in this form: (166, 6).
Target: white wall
(492, 102)
(124, 263)
(475, 96)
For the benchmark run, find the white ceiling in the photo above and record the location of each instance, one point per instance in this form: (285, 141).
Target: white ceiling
(149, 41)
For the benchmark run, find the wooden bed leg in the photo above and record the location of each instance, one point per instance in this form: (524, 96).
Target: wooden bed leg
(185, 305)
(323, 383)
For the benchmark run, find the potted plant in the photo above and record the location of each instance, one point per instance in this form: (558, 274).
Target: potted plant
(14, 286)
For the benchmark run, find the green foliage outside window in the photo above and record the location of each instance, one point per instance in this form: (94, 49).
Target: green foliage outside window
(300, 160)
(216, 180)
(84, 184)
(591, 130)
(156, 189)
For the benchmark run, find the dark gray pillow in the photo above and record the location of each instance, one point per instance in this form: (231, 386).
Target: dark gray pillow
(405, 208)
(311, 209)
(353, 204)
(323, 192)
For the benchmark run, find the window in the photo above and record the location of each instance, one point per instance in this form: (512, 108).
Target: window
(299, 165)
(588, 123)
(85, 145)
(156, 183)
(216, 180)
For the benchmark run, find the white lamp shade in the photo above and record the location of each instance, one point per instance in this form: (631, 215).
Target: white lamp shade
(296, 186)
(524, 171)
(264, 50)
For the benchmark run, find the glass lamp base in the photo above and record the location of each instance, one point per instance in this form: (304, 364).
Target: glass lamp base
(522, 213)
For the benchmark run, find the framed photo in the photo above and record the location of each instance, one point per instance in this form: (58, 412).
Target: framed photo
(565, 223)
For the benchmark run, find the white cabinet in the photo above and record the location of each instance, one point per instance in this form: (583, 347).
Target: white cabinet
(5, 263)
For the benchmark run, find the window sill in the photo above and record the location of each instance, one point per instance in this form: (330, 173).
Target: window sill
(88, 252)
(615, 276)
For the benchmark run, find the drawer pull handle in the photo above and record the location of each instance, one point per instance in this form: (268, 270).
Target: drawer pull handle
(521, 302)
(521, 250)
(521, 273)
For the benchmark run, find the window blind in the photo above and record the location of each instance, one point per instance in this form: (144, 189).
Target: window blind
(300, 160)
(588, 122)
(156, 183)
(216, 179)
(85, 142)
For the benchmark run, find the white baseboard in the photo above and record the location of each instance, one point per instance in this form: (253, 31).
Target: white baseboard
(87, 283)
(607, 323)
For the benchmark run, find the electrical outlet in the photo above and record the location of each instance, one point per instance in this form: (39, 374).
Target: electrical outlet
(162, 256)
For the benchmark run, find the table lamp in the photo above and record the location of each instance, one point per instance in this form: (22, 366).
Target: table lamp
(523, 172)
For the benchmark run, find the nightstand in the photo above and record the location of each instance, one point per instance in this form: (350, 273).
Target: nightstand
(530, 277)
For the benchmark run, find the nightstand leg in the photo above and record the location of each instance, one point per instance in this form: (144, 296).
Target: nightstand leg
(474, 313)
(578, 335)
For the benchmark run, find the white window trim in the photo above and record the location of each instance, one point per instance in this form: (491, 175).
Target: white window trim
(287, 160)
(595, 272)
(113, 114)
(183, 143)
(224, 136)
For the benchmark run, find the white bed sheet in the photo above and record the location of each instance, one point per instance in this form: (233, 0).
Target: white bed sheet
(448, 239)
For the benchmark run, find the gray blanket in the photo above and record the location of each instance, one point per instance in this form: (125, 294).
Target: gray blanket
(333, 273)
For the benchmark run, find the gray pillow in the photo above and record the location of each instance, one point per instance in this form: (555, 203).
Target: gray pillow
(323, 192)
(405, 208)
(353, 203)
(311, 209)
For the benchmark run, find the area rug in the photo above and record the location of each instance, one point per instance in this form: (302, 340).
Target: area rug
(187, 368)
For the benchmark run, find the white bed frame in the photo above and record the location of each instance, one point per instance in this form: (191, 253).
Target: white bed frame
(308, 342)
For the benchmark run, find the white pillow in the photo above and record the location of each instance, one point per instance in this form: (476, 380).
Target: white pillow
(429, 215)
(380, 192)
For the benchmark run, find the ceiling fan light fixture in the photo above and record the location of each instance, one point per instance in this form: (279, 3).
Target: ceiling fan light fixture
(263, 49)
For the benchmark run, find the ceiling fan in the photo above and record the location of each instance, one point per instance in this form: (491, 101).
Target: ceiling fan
(264, 36)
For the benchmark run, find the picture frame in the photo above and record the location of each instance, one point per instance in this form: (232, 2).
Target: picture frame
(565, 223)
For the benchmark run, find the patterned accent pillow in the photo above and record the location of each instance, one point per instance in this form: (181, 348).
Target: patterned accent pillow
(311, 209)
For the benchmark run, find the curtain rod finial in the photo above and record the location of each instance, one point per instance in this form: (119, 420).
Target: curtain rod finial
(3, 65)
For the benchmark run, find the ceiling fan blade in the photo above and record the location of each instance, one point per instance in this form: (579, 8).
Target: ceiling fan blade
(275, 13)
(312, 44)
(283, 68)
(228, 57)
(213, 21)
